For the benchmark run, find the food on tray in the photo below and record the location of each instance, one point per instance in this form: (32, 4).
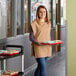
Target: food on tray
(13, 51)
(57, 41)
(49, 42)
(8, 52)
(53, 42)
(9, 73)
(2, 51)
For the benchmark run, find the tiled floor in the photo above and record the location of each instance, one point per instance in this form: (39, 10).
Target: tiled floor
(55, 66)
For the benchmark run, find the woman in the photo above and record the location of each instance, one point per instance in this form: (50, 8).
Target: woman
(40, 32)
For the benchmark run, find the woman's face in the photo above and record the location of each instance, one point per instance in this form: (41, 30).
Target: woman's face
(42, 13)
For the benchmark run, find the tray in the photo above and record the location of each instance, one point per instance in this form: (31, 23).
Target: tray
(10, 75)
(17, 74)
(4, 54)
(8, 53)
(53, 42)
(14, 74)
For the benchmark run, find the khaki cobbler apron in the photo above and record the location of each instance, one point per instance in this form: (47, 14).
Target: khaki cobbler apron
(41, 34)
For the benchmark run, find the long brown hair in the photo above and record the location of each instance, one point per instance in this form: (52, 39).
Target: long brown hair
(37, 14)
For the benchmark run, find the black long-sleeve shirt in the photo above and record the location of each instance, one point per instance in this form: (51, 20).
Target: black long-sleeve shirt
(31, 36)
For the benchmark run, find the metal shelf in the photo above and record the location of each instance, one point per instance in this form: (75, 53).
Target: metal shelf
(7, 57)
(3, 58)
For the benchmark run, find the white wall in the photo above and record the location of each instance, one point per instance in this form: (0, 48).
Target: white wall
(3, 18)
(63, 12)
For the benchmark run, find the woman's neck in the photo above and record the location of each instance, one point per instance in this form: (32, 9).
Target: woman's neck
(42, 20)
